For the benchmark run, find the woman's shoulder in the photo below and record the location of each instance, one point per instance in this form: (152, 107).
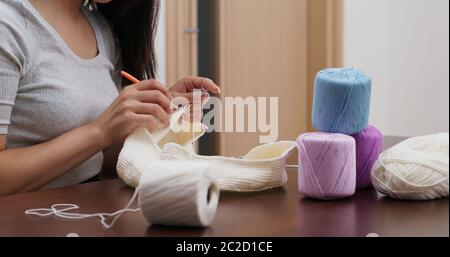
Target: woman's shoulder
(11, 11)
(12, 18)
(13, 39)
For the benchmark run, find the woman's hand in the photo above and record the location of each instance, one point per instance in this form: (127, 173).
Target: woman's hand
(143, 104)
(185, 88)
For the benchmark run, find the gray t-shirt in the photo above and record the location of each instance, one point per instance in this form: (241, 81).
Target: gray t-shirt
(46, 89)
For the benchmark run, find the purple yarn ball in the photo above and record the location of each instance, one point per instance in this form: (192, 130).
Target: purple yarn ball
(369, 145)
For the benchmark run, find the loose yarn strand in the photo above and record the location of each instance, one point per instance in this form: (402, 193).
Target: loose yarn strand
(64, 211)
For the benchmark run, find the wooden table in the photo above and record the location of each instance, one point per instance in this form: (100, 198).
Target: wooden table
(279, 212)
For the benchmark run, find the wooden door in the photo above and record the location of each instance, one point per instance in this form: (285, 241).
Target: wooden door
(262, 50)
(182, 37)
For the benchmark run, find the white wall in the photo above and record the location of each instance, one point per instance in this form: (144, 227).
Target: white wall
(161, 44)
(404, 46)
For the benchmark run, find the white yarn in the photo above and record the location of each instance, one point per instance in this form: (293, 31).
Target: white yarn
(261, 169)
(64, 211)
(141, 148)
(171, 193)
(179, 193)
(416, 169)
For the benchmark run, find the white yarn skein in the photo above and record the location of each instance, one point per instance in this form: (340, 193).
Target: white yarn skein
(180, 193)
(170, 193)
(415, 169)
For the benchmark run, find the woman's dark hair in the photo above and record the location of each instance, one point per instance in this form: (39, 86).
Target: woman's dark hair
(135, 23)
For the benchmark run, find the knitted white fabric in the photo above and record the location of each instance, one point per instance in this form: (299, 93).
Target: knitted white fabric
(143, 147)
(416, 169)
(261, 169)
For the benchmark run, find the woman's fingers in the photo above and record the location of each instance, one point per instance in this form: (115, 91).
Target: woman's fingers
(154, 110)
(154, 96)
(210, 86)
(190, 97)
(202, 83)
(147, 120)
(152, 85)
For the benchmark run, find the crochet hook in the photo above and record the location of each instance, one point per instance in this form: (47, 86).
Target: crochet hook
(135, 80)
(129, 77)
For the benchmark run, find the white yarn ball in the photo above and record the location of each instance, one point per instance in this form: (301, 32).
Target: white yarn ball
(415, 169)
(178, 193)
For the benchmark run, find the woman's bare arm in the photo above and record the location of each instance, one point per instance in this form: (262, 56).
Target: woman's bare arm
(26, 169)
(30, 168)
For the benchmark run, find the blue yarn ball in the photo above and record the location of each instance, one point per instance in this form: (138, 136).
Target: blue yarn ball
(341, 101)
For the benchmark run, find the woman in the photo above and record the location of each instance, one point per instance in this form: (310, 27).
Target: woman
(64, 110)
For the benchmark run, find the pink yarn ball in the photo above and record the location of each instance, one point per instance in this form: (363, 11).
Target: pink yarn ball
(327, 165)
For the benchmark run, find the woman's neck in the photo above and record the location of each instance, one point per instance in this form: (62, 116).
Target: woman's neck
(68, 8)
